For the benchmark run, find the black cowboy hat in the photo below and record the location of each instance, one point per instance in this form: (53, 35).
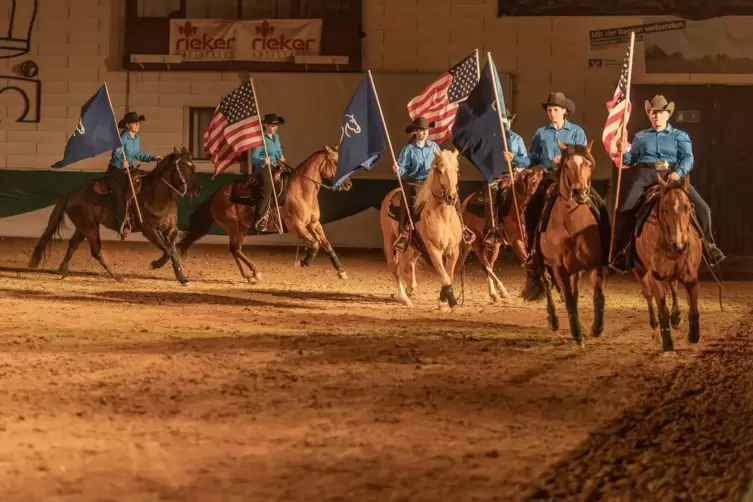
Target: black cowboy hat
(272, 119)
(419, 124)
(129, 118)
(659, 102)
(559, 99)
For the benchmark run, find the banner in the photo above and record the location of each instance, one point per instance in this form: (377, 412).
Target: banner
(273, 40)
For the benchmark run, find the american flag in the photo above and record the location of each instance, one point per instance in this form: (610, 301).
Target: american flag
(235, 128)
(619, 113)
(439, 102)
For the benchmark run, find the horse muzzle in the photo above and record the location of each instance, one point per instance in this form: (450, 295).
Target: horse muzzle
(345, 186)
(580, 195)
(451, 199)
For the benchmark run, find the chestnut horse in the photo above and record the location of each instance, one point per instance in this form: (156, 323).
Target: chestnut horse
(525, 186)
(300, 214)
(669, 249)
(571, 242)
(438, 227)
(172, 178)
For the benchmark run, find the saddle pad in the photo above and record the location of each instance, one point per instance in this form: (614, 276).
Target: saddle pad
(98, 193)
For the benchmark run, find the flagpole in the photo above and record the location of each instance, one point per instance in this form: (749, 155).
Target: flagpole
(389, 142)
(622, 140)
(504, 142)
(266, 156)
(122, 150)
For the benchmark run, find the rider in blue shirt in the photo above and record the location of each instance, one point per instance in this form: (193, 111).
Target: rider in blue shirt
(259, 162)
(660, 150)
(116, 176)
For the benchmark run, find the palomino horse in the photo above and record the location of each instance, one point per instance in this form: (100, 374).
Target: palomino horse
(571, 242)
(669, 249)
(525, 186)
(89, 206)
(300, 214)
(438, 227)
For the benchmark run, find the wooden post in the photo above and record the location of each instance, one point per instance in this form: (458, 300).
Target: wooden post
(504, 142)
(122, 150)
(623, 135)
(392, 152)
(266, 156)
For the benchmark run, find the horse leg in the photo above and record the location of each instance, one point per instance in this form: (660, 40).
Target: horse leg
(446, 295)
(596, 280)
(76, 239)
(161, 261)
(569, 286)
(413, 283)
(312, 242)
(95, 243)
(659, 293)
(494, 254)
(318, 231)
(676, 316)
(694, 333)
(167, 248)
(236, 246)
(402, 270)
(451, 261)
(551, 317)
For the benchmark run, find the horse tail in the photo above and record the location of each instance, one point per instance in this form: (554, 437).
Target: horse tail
(55, 226)
(200, 222)
(534, 287)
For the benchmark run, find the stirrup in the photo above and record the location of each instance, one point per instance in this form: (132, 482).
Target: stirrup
(468, 236)
(402, 242)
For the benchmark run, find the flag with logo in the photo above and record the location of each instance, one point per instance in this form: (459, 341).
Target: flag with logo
(234, 129)
(363, 138)
(477, 132)
(619, 114)
(439, 101)
(96, 132)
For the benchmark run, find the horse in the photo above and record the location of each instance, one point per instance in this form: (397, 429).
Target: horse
(438, 228)
(571, 243)
(525, 186)
(300, 213)
(89, 206)
(669, 249)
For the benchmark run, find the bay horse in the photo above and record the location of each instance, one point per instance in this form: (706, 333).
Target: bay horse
(300, 213)
(525, 186)
(571, 243)
(438, 228)
(89, 206)
(669, 249)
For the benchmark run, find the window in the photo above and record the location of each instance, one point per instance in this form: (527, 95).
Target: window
(199, 119)
(157, 8)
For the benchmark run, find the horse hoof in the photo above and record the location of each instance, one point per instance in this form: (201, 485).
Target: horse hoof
(407, 302)
(342, 275)
(553, 322)
(298, 264)
(184, 282)
(496, 298)
(671, 354)
(676, 319)
(156, 264)
(580, 343)
(251, 279)
(597, 332)
(694, 337)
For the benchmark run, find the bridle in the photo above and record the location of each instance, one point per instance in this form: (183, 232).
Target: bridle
(663, 225)
(564, 180)
(183, 181)
(319, 184)
(441, 197)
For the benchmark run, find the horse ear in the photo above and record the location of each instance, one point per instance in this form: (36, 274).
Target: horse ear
(328, 149)
(456, 152)
(562, 146)
(686, 182)
(436, 151)
(589, 146)
(175, 151)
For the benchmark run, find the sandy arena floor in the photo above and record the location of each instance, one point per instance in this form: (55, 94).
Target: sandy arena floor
(308, 388)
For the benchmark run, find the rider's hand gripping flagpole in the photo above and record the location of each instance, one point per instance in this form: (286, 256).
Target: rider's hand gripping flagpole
(392, 152)
(492, 69)
(623, 135)
(266, 156)
(127, 170)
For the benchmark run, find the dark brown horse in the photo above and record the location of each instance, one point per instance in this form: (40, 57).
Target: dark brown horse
(571, 242)
(300, 214)
(669, 249)
(525, 186)
(89, 206)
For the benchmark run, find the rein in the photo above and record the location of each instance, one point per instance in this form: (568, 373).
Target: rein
(295, 172)
(180, 175)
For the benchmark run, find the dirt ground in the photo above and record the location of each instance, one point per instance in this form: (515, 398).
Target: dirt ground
(308, 388)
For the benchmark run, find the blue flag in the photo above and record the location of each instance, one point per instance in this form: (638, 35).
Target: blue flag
(477, 131)
(363, 138)
(95, 133)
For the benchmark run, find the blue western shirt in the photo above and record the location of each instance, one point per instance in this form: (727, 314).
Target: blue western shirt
(415, 161)
(274, 149)
(132, 146)
(518, 149)
(544, 146)
(672, 145)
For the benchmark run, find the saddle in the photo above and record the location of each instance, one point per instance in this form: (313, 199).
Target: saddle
(247, 192)
(501, 206)
(645, 206)
(98, 191)
(394, 212)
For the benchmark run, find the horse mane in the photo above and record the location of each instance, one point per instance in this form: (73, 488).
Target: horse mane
(160, 166)
(308, 159)
(424, 192)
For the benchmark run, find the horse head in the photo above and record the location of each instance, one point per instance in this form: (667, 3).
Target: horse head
(528, 181)
(178, 171)
(576, 166)
(675, 213)
(442, 183)
(328, 167)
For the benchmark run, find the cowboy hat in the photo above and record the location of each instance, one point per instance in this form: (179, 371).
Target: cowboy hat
(272, 119)
(659, 102)
(510, 115)
(559, 99)
(129, 118)
(419, 124)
